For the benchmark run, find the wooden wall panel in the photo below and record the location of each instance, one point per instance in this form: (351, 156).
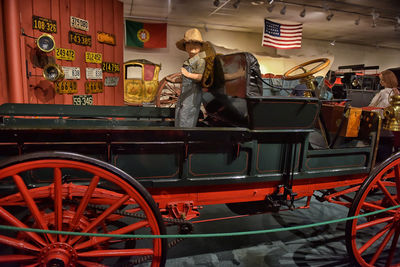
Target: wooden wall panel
(103, 15)
(3, 68)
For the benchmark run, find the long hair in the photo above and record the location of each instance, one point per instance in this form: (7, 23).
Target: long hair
(389, 78)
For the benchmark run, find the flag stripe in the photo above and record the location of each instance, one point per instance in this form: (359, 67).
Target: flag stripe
(282, 36)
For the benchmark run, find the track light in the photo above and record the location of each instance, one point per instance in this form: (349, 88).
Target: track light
(333, 43)
(270, 2)
(329, 17)
(270, 8)
(303, 13)
(283, 10)
(357, 21)
(398, 20)
(236, 4)
(257, 3)
(216, 3)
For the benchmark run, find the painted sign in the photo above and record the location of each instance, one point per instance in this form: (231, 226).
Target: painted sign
(91, 57)
(93, 87)
(44, 24)
(71, 73)
(106, 38)
(79, 24)
(79, 38)
(65, 54)
(110, 67)
(111, 81)
(94, 74)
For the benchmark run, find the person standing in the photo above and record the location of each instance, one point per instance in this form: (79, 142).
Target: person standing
(188, 105)
(389, 80)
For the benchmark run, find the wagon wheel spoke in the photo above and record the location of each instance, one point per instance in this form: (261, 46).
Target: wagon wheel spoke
(20, 244)
(370, 242)
(382, 245)
(84, 202)
(387, 193)
(12, 220)
(16, 258)
(393, 247)
(100, 218)
(31, 205)
(121, 231)
(397, 176)
(58, 200)
(118, 252)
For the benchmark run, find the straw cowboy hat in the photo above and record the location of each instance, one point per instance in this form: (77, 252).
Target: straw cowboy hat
(191, 35)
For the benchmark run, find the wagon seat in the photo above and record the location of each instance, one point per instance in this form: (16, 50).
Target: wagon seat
(235, 99)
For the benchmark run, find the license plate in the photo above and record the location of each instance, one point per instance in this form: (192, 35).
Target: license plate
(65, 54)
(111, 81)
(72, 73)
(93, 57)
(93, 87)
(44, 24)
(110, 67)
(82, 100)
(79, 38)
(94, 74)
(66, 87)
(79, 24)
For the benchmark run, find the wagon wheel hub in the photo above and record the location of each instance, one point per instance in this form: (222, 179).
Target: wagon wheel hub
(58, 255)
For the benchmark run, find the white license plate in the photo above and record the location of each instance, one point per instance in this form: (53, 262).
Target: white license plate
(111, 81)
(94, 74)
(72, 73)
(79, 24)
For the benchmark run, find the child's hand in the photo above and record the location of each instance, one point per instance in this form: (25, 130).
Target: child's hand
(184, 72)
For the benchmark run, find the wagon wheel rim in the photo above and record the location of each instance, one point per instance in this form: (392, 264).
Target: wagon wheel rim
(168, 91)
(50, 210)
(374, 240)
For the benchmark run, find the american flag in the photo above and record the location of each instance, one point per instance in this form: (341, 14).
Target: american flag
(283, 36)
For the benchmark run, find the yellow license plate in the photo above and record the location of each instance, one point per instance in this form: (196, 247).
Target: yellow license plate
(79, 38)
(93, 87)
(110, 67)
(65, 54)
(93, 57)
(44, 24)
(66, 87)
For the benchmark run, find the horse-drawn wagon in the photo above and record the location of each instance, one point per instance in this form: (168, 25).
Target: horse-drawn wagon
(127, 170)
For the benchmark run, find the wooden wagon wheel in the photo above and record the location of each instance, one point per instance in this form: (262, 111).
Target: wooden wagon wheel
(374, 240)
(169, 90)
(70, 192)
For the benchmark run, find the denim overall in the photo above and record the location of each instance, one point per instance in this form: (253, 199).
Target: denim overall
(189, 102)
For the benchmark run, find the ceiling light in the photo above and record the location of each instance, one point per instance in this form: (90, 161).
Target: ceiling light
(357, 21)
(333, 43)
(270, 2)
(236, 4)
(303, 13)
(329, 17)
(398, 20)
(270, 8)
(216, 2)
(283, 10)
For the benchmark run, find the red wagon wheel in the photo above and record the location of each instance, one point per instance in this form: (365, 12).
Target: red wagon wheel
(169, 90)
(374, 240)
(70, 192)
